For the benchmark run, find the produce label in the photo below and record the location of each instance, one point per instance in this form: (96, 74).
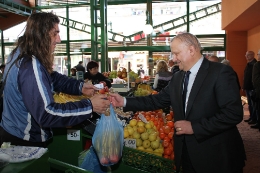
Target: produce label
(141, 116)
(73, 135)
(131, 143)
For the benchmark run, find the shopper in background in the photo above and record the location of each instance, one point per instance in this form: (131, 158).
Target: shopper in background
(226, 62)
(29, 110)
(206, 139)
(73, 72)
(80, 67)
(173, 66)
(2, 68)
(170, 65)
(140, 71)
(256, 83)
(248, 85)
(95, 76)
(213, 58)
(162, 77)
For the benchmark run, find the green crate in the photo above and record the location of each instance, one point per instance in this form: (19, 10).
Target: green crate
(146, 161)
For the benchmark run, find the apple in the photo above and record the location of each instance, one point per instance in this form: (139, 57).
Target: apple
(146, 143)
(114, 158)
(144, 136)
(136, 135)
(155, 144)
(133, 122)
(102, 91)
(153, 137)
(130, 130)
(139, 142)
(141, 129)
(104, 161)
(106, 89)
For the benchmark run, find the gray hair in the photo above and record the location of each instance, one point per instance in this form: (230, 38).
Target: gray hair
(225, 61)
(188, 39)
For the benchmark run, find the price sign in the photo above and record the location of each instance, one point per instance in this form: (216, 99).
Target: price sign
(141, 116)
(131, 143)
(73, 135)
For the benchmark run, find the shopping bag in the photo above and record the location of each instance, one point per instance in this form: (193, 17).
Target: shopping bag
(91, 162)
(108, 139)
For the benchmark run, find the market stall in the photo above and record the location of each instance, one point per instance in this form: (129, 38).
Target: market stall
(69, 145)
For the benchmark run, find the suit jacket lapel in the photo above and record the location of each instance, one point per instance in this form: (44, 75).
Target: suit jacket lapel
(202, 73)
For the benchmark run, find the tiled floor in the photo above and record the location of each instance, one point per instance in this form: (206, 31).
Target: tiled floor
(251, 138)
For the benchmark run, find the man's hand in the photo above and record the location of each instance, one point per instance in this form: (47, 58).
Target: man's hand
(88, 89)
(183, 127)
(100, 103)
(116, 99)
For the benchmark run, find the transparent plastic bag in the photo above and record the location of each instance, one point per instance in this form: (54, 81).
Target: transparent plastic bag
(91, 162)
(108, 139)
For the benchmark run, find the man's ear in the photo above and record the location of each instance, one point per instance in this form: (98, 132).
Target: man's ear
(192, 50)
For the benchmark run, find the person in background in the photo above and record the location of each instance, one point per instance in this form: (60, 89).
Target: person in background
(256, 84)
(170, 65)
(226, 62)
(80, 67)
(206, 138)
(73, 71)
(140, 72)
(2, 68)
(173, 66)
(95, 76)
(213, 58)
(162, 77)
(29, 109)
(248, 85)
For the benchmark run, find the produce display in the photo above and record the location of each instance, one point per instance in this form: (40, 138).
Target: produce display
(143, 90)
(64, 98)
(133, 77)
(153, 132)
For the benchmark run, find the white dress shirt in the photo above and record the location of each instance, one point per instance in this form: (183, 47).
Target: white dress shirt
(193, 73)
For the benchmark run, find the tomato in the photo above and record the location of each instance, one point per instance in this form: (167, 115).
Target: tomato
(165, 156)
(102, 91)
(167, 152)
(165, 143)
(166, 129)
(168, 117)
(148, 118)
(166, 138)
(172, 156)
(170, 124)
(170, 135)
(161, 130)
(162, 136)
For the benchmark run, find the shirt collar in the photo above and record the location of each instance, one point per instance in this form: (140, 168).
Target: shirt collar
(195, 68)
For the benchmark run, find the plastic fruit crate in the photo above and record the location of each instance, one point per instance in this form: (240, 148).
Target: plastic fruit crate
(147, 162)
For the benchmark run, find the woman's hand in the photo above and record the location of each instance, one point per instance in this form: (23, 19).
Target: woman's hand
(100, 103)
(88, 89)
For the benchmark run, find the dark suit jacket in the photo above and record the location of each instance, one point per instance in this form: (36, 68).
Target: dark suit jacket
(214, 109)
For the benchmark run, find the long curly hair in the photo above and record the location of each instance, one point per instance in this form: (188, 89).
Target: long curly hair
(36, 39)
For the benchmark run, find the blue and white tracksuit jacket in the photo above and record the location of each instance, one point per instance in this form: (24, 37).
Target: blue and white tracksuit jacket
(29, 108)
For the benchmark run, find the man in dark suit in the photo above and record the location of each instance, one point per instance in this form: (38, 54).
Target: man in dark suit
(80, 67)
(206, 138)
